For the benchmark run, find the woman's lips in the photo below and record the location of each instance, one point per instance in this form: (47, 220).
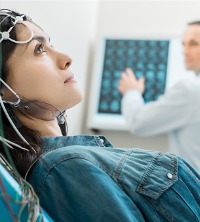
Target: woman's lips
(70, 79)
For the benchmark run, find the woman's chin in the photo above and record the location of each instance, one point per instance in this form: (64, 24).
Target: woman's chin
(80, 96)
(75, 101)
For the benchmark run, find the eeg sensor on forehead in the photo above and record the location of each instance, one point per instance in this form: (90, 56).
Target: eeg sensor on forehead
(5, 35)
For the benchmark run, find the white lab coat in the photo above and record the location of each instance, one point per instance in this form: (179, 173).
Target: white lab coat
(177, 113)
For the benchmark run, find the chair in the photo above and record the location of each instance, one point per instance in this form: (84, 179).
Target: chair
(12, 200)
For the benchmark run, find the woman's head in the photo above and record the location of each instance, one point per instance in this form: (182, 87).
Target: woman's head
(36, 71)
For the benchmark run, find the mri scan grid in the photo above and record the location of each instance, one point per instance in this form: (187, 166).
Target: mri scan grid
(147, 58)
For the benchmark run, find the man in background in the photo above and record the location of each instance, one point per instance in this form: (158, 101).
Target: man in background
(177, 112)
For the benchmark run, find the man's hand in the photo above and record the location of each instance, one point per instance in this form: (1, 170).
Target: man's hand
(129, 81)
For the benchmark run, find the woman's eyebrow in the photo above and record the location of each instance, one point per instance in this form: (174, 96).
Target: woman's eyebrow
(39, 38)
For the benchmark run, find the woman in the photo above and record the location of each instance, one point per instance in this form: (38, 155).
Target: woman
(80, 178)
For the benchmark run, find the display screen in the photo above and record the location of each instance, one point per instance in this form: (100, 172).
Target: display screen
(148, 58)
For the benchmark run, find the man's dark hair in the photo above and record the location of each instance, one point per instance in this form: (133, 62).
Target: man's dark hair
(194, 23)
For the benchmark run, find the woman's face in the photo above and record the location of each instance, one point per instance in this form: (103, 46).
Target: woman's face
(38, 72)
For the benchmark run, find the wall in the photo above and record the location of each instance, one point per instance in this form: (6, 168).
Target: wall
(71, 26)
(153, 18)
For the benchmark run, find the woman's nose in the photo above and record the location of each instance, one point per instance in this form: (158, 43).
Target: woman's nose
(64, 61)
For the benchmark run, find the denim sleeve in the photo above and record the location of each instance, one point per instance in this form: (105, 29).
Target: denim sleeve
(90, 195)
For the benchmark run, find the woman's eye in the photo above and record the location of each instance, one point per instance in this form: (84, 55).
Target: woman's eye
(39, 49)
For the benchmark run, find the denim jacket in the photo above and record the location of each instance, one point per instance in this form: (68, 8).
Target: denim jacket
(83, 178)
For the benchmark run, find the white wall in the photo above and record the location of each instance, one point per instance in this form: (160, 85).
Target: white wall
(147, 18)
(71, 26)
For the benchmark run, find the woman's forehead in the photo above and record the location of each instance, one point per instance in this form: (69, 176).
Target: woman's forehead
(25, 29)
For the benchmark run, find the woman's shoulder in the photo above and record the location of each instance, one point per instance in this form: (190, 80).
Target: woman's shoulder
(58, 159)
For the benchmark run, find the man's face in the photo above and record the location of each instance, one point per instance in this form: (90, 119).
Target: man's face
(191, 45)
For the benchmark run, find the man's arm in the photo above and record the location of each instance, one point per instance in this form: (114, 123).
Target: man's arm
(171, 111)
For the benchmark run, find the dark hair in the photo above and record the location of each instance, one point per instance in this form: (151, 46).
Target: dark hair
(194, 23)
(22, 159)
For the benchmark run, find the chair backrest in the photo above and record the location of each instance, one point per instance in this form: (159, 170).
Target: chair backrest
(10, 200)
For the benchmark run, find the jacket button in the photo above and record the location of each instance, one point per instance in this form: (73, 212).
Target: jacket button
(102, 141)
(169, 175)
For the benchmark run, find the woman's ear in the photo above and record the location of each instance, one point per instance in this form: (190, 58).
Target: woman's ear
(2, 92)
(6, 94)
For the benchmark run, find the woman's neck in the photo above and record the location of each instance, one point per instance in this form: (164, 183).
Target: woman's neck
(44, 127)
(49, 128)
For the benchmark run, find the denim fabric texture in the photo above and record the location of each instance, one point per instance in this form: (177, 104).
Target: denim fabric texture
(83, 178)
